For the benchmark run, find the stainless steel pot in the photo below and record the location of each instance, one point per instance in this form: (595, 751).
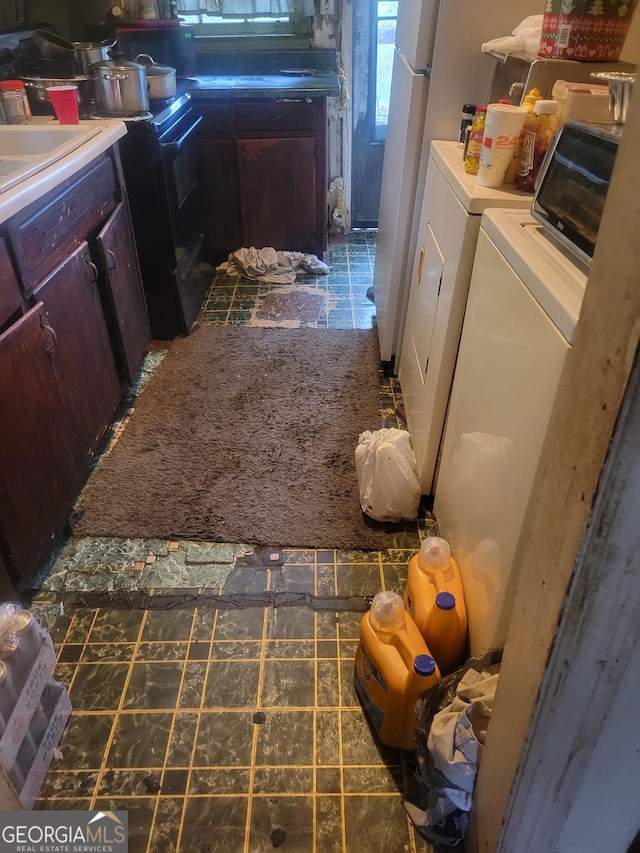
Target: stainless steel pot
(161, 79)
(120, 87)
(87, 53)
(38, 97)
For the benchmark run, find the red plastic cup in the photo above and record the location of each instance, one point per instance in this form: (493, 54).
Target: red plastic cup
(65, 103)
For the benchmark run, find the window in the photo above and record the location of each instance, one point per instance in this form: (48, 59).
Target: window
(221, 25)
(385, 13)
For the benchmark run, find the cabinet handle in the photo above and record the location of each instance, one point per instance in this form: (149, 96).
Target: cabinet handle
(112, 259)
(52, 332)
(93, 277)
(420, 263)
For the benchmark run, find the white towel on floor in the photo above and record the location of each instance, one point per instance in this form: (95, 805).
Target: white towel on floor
(272, 266)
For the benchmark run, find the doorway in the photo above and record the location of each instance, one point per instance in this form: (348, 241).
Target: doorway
(374, 25)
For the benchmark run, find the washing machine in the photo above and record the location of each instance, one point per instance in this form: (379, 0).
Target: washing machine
(523, 305)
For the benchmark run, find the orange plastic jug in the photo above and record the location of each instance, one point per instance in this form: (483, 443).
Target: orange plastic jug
(435, 599)
(393, 668)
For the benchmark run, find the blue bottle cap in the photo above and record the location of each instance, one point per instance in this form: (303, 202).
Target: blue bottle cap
(445, 600)
(424, 665)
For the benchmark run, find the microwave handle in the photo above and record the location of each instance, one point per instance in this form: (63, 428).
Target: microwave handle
(174, 147)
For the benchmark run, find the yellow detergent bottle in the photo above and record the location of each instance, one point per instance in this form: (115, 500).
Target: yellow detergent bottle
(434, 597)
(393, 669)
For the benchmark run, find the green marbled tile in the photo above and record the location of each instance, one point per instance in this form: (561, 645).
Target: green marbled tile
(119, 626)
(327, 649)
(349, 624)
(203, 622)
(327, 679)
(275, 649)
(166, 827)
(181, 740)
(360, 745)
(129, 783)
(373, 780)
(289, 623)
(167, 651)
(326, 624)
(328, 780)
(376, 823)
(107, 652)
(283, 821)
(285, 737)
(292, 578)
(236, 650)
(358, 580)
(140, 740)
(219, 822)
(283, 780)
(328, 826)
(167, 626)
(224, 739)
(153, 685)
(98, 686)
(140, 811)
(325, 580)
(80, 626)
(231, 684)
(174, 782)
(68, 783)
(348, 695)
(395, 577)
(219, 780)
(327, 738)
(192, 685)
(288, 683)
(239, 624)
(84, 741)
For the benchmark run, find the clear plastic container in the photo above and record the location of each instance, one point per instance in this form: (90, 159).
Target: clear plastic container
(14, 102)
(393, 668)
(434, 597)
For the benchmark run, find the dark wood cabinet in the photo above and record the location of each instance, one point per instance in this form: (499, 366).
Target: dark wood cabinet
(73, 330)
(126, 301)
(262, 165)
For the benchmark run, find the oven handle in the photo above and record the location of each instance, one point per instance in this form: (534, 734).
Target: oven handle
(174, 147)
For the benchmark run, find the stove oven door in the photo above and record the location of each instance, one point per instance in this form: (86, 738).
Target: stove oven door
(183, 198)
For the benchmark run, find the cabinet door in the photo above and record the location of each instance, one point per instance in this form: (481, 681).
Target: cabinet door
(10, 293)
(217, 168)
(121, 273)
(82, 355)
(40, 473)
(278, 192)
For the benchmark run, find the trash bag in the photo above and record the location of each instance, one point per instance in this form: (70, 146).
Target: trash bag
(387, 475)
(438, 808)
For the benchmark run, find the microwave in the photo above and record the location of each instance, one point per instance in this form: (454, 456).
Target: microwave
(172, 46)
(572, 185)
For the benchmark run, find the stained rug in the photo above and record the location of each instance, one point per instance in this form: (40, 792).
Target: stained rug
(245, 434)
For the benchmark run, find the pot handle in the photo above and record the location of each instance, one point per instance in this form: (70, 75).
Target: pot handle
(146, 55)
(108, 43)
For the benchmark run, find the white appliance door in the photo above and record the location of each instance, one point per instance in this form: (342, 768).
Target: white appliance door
(509, 365)
(399, 175)
(416, 31)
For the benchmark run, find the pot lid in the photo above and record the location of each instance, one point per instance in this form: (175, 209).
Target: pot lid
(117, 60)
(152, 68)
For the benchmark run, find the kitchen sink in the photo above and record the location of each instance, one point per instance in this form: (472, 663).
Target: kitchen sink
(26, 149)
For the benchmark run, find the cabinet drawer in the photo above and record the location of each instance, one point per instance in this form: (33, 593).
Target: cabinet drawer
(51, 228)
(217, 120)
(275, 116)
(10, 293)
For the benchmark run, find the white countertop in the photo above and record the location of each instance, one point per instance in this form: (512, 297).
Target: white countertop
(15, 199)
(473, 197)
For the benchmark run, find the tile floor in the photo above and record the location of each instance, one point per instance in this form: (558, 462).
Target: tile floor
(212, 683)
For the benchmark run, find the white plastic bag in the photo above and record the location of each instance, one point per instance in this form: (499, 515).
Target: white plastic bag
(387, 475)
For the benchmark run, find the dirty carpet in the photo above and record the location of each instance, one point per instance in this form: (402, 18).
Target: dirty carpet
(245, 435)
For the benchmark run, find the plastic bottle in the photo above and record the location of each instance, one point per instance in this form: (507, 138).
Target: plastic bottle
(466, 120)
(475, 141)
(537, 139)
(442, 622)
(393, 668)
(527, 104)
